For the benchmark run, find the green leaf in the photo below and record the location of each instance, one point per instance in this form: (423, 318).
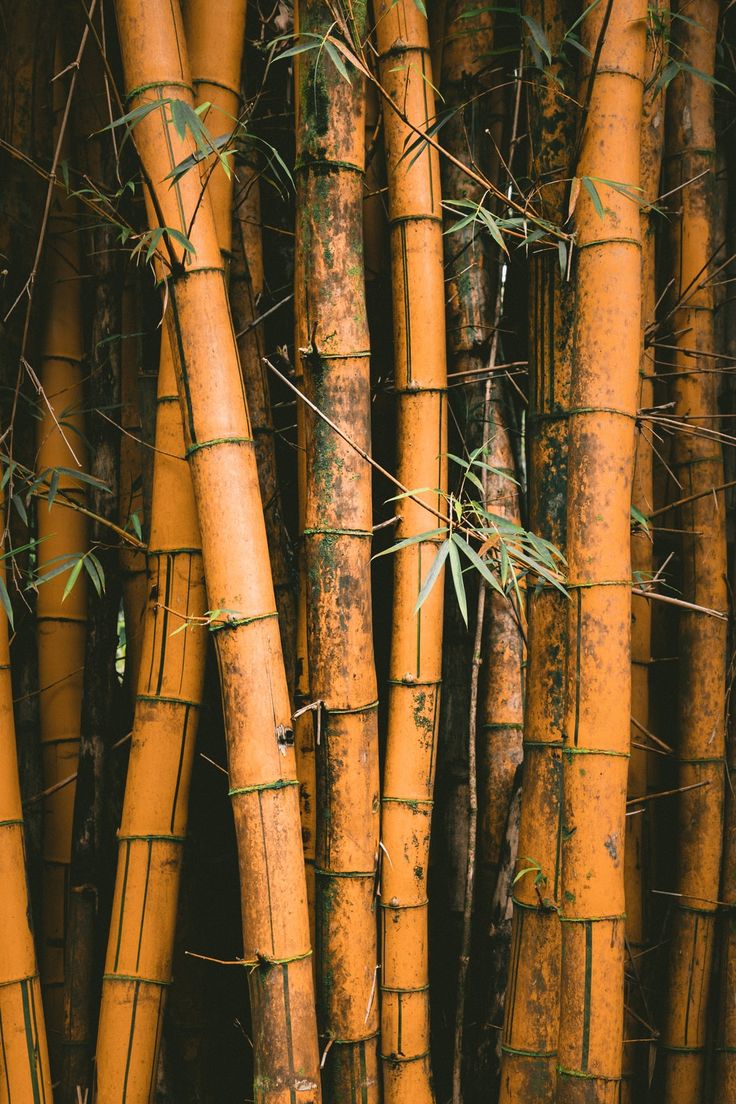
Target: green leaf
(5, 600)
(477, 562)
(641, 519)
(539, 37)
(96, 572)
(593, 193)
(179, 117)
(416, 539)
(182, 239)
(432, 575)
(20, 507)
(53, 487)
(337, 61)
(301, 47)
(135, 523)
(458, 583)
(73, 576)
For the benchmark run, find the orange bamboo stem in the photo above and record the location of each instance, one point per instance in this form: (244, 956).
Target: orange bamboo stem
(61, 621)
(529, 1041)
(416, 637)
(139, 962)
(636, 862)
(595, 751)
(24, 1069)
(333, 344)
(698, 463)
(219, 446)
(132, 560)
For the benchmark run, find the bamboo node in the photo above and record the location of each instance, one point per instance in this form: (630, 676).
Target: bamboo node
(233, 622)
(279, 784)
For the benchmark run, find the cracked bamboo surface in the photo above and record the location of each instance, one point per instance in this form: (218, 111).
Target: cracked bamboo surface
(416, 638)
(333, 344)
(698, 463)
(219, 446)
(603, 404)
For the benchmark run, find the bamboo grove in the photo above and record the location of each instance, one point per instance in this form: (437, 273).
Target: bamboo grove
(367, 635)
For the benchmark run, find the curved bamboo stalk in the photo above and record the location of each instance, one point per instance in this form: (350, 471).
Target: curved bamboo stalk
(416, 638)
(333, 343)
(531, 1013)
(603, 406)
(24, 1070)
(638, 829)
(140, 949)
(62, 622)
(699, 465)
(219, 447)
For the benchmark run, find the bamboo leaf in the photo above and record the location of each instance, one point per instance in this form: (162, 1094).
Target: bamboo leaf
(337, 61)
(457, 580)
(73, 576)
(477, 562)
(432, 575)
(417, 539)
(96, 572)
(6, 603)
(539, 37)
(593, 193)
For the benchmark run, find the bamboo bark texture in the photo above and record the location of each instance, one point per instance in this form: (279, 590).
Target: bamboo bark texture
(62, 534)
(219, 447)
(246, 296)
(24, 1073)
(417, 279)
(603, 404)
(333, 343)
(698, 464)
(140, 951)
(132, 560)
(638, 829)
(531, 1012)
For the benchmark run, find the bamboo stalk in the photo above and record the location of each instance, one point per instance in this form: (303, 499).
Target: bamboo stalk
(140, 951)
(132, 561)
(221, 456)
(246, 291)
(529, 1040)
(595, 751)
(333, 344)
(638, 830)
(61, 622)
(416, 637)
(25, 1062)
(702, 669)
